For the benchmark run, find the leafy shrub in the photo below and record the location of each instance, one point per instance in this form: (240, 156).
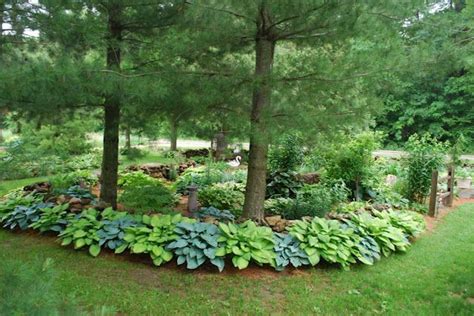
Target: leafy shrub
(247, 242)
(283, 184)
(63, 182)
(352, 162)
(287, 154)
(388, 238)
(208, 175)
(144, 193)
(52, 219)
(278, 206)
(311, 200)
(288, 251)
(82, 231)
(196, 243)
(327, 239)
(152, 238)
(225, 196)
(77, 191)
(88, 161)
(221, 215)
(425, 154)
(112, 232)
(133, 153)
(351, 207)
(24, 216)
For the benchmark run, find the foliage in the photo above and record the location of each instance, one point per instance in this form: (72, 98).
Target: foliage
(224, 196)
(62, 182)
(247, 242)
(153, 237)
(221, 215)
(425, 154)
(206, 176)
(388, 237)
(17, 198)
(54, 218)
(133, 153)
(287, 154)
(288, 251)
(278, 206)
(23, 216)
(112, 231)
(196, 243)
(77, 191)
(283, 184)
(329, 240)
(82, 231)
(135, 179)
(311, 200)
(351, 207)
(352, 162)
(143, 193)
(411, 223)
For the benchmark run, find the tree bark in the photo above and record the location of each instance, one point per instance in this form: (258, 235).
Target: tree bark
(173, 135)
(221, 145)
(108, 190)
(128, 138)
(259, 138)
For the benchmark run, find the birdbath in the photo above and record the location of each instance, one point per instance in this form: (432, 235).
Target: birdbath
(192, 198)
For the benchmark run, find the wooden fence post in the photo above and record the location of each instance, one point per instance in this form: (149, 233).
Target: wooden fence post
(433, 194)
(449, 200)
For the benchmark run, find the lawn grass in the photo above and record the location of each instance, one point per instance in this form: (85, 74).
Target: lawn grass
(435, 277)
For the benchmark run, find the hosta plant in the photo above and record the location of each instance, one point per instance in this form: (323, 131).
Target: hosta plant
(16, 198)
(82, 231)
(112, 232)
(388, 237)
(221, 215)
(247, 242)
(288, 251)
(196, 244)
(23, 216)
(327, 239)
(79, 192)
(152, 238)
(411, 223)
(54, 218)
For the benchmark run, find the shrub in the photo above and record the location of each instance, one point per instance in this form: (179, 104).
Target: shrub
(278, 206)
(411, 223)
(82, 231)
(52, 219)
(112, 232)
(133, 153)
(288, 251)
(208, 175)
(17, 198)
(221, 215)
(24, 216)
(327, 239)
(224, 196)
(77, 191)
(247, 242)
(352, 162)
(143, 193)
(388, 238)
(196, 243)
(425, 154)
(152, 238)
(63, 182)
(283, 184)
(287, 154)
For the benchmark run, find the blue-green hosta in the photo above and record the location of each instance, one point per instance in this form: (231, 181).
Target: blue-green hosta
(288, 251)
(196, 243)
(53, 218)
(82, 231)
(23, 216)
(112, 232)
(152, 238)
(17, 198)
(327, 239)
(247, 242)
(411, 223)
(224, 215)
(388, 237)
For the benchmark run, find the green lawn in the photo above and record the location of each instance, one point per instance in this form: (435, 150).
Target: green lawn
(436, 277)
(7, 185)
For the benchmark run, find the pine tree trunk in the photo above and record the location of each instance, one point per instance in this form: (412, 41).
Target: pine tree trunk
(128, 138)
(108, 190)
(259, 138)
(173, 135)
(2, 139)
(221, 145)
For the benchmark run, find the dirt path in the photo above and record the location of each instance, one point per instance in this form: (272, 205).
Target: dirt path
(432, 222)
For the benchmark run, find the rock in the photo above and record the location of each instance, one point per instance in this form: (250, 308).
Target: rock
(273, 220)
(280, 226)
(61, 199)
(309, 178)
(391, 180)
(210, 220)
(74, 201)
(101, 205)
(85, 201)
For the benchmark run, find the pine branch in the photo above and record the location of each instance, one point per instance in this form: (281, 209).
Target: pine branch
(314, 76)
(222, 10)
